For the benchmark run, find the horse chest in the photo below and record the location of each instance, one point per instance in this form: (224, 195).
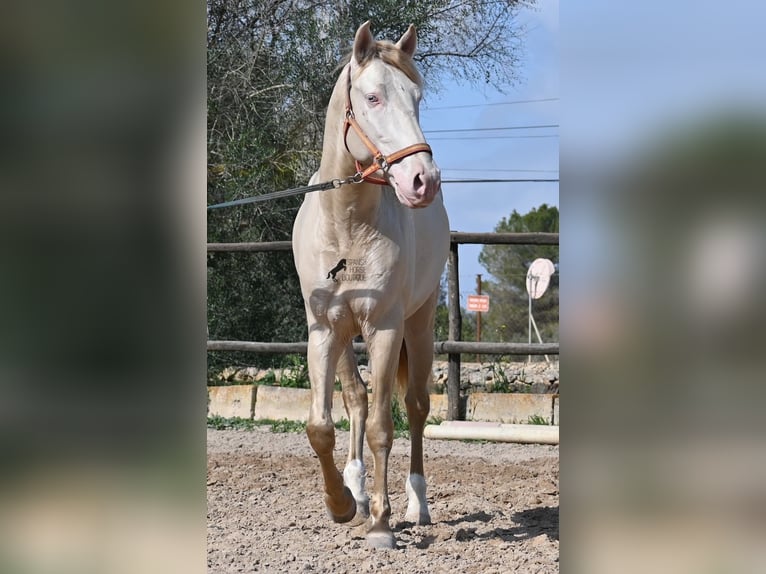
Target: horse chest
(354, 292)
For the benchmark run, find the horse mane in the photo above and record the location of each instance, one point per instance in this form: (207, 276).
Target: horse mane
(391, 55)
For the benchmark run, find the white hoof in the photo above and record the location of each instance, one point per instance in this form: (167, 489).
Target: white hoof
(381, 538)
(417, 506)
(353, 477)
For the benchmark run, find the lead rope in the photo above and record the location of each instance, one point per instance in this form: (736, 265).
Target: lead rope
(332, 184)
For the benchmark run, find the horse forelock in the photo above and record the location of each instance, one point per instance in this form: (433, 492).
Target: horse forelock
(391, 55)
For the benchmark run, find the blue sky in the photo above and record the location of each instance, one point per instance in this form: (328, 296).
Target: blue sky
(633, 75)
(479, 207)
(632, 71)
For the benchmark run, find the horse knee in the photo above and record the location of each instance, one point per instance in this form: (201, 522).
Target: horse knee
(418, 404)
(380, 433)
(355, 399)
(321, 436)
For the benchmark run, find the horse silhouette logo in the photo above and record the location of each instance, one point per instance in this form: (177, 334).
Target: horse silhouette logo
(337, 269)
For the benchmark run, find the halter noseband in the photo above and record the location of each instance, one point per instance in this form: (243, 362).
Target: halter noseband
(379, 161)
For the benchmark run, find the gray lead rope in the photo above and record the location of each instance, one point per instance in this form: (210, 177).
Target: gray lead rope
(333, 184)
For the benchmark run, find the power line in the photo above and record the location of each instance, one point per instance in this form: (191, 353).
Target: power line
(491, 104)
(509, 180)
(492, 137)
(500, 170)
(492, 129)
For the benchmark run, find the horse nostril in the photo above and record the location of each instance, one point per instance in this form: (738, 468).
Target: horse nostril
(418, 185)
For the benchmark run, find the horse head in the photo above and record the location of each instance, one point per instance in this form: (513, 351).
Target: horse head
(384, 93)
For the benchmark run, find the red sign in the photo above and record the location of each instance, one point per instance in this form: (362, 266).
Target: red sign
(478, 303)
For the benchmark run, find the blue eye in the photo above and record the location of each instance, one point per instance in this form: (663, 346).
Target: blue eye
(372, 98)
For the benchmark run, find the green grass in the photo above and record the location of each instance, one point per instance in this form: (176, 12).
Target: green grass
(537, 420)
(501, 382)
(398, 413)
(343, 424)
(401, 424)
(233, 423)
(285, 425)
(282, 425)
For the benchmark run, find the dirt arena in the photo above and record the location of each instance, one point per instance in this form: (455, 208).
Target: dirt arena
(494, 507)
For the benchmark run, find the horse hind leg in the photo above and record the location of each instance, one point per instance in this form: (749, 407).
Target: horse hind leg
(384, 346)
(416, 372)
(355, 403)
(417, 402)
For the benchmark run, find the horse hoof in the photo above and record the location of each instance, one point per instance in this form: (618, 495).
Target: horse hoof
(380, 537)
(359, 519)
(347, 510)
(418, 518)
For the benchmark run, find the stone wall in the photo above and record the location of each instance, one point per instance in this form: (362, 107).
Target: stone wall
(521, 377)
(535, 377)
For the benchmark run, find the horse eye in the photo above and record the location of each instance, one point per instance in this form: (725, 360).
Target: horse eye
(372, 98)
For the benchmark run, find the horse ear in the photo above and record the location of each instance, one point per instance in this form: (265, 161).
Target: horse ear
(364, 43)
(409, 41)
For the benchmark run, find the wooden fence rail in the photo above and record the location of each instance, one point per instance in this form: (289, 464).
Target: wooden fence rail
(453, 347)
(456, 237)
(440, 347)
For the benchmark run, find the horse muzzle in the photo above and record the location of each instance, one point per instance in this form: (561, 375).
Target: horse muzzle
(416, 182)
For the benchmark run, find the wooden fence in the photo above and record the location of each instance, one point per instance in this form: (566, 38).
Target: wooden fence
(452, 347)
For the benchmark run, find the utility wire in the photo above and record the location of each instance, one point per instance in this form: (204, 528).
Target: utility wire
(492, 129)
(490, 104)
(492, 137)
(500, 170)
(509, 180)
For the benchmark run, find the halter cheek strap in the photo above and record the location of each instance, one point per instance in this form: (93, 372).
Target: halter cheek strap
(379, 161)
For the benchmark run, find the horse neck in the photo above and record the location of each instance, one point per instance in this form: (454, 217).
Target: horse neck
(350, 204)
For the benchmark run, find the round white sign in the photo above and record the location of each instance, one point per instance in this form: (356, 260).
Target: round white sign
(539, 277)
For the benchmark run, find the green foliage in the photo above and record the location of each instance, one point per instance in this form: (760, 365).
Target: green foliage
(297, 375)
(238, 423)
(507, 319)
(277, 426)
(343, 424)
(233, 423)
(293, 375)
(441, 319)
(441, 322)
(285, 425)
(537, 420)
(399, 415)
(501, 384)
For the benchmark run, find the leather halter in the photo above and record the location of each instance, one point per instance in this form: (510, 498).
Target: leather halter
(379, 162)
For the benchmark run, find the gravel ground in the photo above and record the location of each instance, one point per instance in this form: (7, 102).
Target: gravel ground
(494, 507)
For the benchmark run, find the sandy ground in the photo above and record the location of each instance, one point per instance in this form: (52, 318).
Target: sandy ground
(494, 507)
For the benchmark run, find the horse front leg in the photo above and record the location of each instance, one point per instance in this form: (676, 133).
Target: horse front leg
(355, 402)
(322, 357)
(384, 347)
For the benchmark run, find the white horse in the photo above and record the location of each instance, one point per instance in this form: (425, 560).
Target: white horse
(369, 256)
